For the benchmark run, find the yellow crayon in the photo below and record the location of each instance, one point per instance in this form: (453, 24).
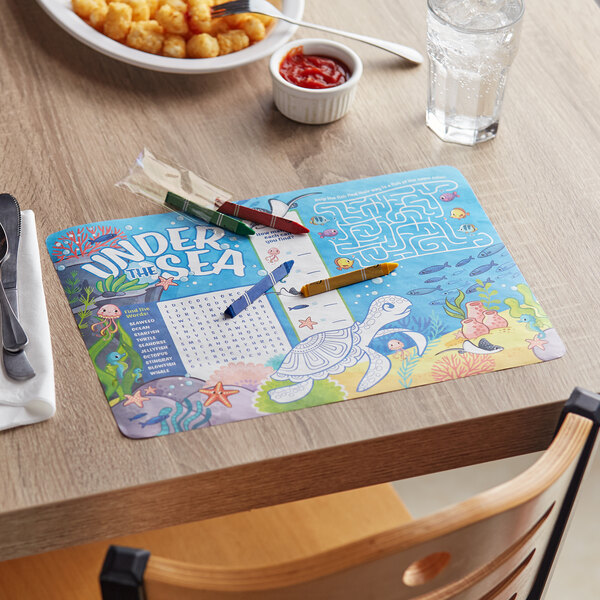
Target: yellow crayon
(325, 285)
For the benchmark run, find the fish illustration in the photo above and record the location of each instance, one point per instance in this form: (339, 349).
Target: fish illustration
(318, 220)
(468, 228)
(434, 279)
(448, 196)
(482, 269)
(506, 266)
(490, 250)
(155, 420)
(464, 261)
(103, 238)
(458, 213)
(343, 263)
(438, 302)
(298, 307)
(328, 233)
(475, 286)
(434, 269)
(138, 416)
(423, 291)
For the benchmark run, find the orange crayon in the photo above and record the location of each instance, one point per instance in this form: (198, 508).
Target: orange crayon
(325, 285)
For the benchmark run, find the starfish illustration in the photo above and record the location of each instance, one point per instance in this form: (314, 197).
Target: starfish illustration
(165, 282)
(136, 399)
(218, 394)
(308, 322)
(536, 343)
(458, 335)
(150, 390)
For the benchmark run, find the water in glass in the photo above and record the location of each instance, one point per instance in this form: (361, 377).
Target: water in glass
(471, 45)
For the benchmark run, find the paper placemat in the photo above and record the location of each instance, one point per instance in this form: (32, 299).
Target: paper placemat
(148, 296)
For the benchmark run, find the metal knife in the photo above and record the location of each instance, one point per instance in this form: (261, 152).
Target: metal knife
(16, 364)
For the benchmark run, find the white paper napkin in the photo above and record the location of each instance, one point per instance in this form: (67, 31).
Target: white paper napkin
(33, 400)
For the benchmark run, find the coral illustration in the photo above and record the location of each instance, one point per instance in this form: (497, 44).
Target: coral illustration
(461, 365)
(246, 375)
(85, 240)
(455, 309)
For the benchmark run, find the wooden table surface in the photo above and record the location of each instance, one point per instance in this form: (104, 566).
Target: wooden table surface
(71, 123)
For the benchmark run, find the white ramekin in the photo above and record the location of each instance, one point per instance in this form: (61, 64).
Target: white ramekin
(315, 107)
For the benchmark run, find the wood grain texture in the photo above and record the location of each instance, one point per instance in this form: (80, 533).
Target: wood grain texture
(253, 538)
(72, 122)
(356, 544)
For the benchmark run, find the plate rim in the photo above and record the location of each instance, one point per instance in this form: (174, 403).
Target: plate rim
(62, 14)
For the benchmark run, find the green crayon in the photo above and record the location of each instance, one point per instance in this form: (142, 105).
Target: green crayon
(206, 214)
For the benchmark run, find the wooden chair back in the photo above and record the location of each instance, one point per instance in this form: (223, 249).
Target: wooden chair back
(498, 545)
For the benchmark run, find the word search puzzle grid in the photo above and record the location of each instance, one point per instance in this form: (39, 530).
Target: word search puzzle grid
(203, 336)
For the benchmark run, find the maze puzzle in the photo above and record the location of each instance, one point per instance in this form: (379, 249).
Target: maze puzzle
(397, 223)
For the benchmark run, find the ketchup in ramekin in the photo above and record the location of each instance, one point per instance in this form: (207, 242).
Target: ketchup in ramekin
(312, 71)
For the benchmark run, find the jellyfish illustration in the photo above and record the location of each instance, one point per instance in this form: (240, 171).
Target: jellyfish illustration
(398, 347)
(108, 315)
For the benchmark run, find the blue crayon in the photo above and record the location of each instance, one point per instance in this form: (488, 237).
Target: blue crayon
(258, 289)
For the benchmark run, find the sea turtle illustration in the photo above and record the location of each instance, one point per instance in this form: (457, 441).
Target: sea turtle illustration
(331, 352)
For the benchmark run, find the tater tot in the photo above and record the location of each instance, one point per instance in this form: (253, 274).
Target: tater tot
(264, 19)
(235, 21)
(153, 6)
(172, 20)
(199, 14)
(84, 8)
(202, 45)
(140, 9)
(179, 5)
(147, 36)
(232, 41)
(254, 29)
(174, 46)
(98, 15)
(213, 27)
(118, 21)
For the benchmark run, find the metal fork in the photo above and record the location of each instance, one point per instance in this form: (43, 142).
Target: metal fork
(265, 8)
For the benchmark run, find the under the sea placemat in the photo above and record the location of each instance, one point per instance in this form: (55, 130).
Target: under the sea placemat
(148, 296)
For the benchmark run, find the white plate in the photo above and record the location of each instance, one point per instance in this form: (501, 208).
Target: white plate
(61, 12)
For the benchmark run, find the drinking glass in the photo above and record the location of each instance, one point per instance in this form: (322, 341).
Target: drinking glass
(471, 45)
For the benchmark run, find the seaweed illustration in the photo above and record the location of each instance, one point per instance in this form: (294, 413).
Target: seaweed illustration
(121, 284)
(113, 386)
(529, 306)
(406, 368)
(486, 293)
(73, 287)
(88, 301)
(434, 330)
(323, 388)
(454, 366)
(180, 420)
(82, 241)
(455, 309)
